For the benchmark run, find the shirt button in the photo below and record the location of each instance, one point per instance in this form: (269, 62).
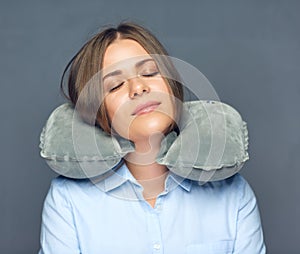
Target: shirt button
(158, 207)
(156, 246)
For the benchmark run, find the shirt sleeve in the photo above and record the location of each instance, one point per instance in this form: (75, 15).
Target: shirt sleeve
(58, 232)
(249, 238)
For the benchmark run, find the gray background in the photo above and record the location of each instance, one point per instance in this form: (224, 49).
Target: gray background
(249, 50)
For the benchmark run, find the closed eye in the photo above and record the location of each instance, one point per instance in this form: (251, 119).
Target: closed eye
(150, 74)
(116, 87)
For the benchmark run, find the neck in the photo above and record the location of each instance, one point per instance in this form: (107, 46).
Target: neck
(144, 173)
(146, 150)
(144, 168)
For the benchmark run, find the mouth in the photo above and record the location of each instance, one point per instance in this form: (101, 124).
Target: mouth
(146, 108)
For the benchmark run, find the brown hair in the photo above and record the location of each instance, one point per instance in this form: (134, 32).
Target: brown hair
(88, 61)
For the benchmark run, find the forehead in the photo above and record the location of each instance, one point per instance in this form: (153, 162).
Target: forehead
(123, 50)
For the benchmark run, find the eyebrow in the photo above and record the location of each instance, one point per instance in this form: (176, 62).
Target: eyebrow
(118, 72)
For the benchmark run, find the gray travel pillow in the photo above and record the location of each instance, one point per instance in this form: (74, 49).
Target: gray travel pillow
(212, 144)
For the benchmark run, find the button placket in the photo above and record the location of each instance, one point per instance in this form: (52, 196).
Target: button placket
(158, 207)
(153, 222)
(156, 246)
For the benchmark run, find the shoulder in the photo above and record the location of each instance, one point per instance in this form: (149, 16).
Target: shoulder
(68, 187)
(62, 182)
(233, 182)
(234, 186)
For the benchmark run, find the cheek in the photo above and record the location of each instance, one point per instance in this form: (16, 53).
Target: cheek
(118, 114)
(109, 107)
(166, 94)
(165, 90)
(113, 103)
(161, 86)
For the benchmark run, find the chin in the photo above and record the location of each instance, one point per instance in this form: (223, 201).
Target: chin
(150, 124)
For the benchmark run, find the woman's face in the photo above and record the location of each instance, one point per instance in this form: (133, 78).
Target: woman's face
(138, 101)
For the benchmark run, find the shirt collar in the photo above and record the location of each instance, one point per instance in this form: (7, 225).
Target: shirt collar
(186, 184)
(122, 175)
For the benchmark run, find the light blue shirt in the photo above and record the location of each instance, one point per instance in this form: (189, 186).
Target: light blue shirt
(111, 217)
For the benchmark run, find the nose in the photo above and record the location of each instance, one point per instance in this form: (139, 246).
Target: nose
(137, 87)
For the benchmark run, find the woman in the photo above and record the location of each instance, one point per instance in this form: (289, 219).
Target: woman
(171, 214)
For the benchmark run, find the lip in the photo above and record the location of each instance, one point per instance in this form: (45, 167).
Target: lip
(146, 108)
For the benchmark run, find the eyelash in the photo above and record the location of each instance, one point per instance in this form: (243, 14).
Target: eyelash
(144, 75)
(116, 87)
(150, 74)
